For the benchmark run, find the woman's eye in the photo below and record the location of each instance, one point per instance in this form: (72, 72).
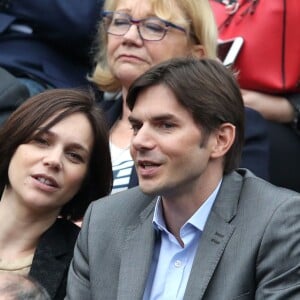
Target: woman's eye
(75, 157)
(120, 22)
(154, 27)
(41, 141)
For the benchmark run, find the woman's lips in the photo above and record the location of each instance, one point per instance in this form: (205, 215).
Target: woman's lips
(130, 58)
(46, 183)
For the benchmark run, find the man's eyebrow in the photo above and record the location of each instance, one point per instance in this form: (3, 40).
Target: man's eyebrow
(132, 119)
(162, 117)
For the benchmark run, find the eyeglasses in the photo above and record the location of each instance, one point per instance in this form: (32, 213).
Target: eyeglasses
(149, 29)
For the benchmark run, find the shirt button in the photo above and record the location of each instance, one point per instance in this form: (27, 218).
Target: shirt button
(177, 264)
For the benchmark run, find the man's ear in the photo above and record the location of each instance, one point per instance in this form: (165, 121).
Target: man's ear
(197, 51)
(224, 138)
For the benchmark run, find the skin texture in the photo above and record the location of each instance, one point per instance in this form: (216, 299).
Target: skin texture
(272, 107)
(62, 154)
(129, 56)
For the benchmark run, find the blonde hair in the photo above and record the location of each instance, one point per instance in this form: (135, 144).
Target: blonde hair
(198, 19)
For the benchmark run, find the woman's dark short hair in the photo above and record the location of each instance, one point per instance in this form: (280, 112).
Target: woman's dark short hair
(207, 90)
(23, 123)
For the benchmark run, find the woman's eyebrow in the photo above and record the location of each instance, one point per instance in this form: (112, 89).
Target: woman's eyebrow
(52, 134)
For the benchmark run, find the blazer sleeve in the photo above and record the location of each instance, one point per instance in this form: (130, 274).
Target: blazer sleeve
(278, 260)
(78, 285)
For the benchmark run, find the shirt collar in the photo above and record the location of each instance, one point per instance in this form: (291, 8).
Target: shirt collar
(198, 219)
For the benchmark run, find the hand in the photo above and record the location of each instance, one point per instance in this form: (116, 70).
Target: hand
(272, 107)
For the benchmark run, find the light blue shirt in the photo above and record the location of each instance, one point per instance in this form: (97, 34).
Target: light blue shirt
(172, 263)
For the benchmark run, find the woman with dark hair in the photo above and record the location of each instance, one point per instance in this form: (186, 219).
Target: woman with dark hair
(49, 173)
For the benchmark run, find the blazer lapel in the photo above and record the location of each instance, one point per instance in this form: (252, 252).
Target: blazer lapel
(215, 236)
(137, 256)
(112, 109)
(49, 270)
(52, 256)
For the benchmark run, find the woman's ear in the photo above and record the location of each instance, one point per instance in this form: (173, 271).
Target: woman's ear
(197, 51)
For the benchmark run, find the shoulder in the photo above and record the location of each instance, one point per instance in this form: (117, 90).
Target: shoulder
(125, 207)
(257, 208)
(254, 185)
(65, 227)
(257, 196)
(62, 232)
(133, 199)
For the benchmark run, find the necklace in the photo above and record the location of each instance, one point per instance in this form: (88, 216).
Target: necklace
(17, 265)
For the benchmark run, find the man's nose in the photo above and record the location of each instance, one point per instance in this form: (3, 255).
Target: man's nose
(143, 139)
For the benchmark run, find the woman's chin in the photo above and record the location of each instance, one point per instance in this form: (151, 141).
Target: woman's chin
(127, 74)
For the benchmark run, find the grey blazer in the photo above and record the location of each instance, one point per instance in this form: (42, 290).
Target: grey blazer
(249, 249)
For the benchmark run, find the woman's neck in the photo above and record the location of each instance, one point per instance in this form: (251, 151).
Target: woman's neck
(20, 229)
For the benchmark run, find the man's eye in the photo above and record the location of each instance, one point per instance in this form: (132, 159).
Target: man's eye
(167, 125)
(135, 128)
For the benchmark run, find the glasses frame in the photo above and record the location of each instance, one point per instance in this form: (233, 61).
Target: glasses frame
(136, 22)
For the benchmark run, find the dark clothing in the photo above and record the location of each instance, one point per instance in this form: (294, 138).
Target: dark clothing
(255, 155)
(48, 40)
(256, 150)
(284, 155)
(284, 149)
(53, 256)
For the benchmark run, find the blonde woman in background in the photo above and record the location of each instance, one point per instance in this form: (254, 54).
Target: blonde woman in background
(138, 34)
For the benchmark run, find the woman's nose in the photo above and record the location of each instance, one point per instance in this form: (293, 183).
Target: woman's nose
(133, 35)
(53, 159)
